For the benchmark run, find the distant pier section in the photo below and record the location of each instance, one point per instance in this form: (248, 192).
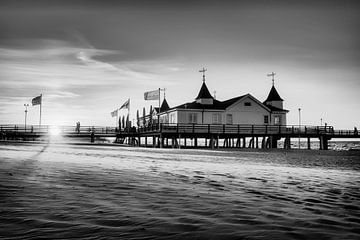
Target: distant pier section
(212, 136)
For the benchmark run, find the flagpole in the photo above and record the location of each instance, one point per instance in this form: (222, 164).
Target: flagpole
(117, 115)
(159, 109)
(40, 110)
(129, 111)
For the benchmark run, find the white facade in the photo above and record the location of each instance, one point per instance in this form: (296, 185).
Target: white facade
(247, 110)
(244, 109)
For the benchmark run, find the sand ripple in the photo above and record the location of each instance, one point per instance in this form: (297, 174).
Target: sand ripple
(64, 191)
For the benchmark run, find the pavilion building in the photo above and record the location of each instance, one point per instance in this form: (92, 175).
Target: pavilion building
(245, 109)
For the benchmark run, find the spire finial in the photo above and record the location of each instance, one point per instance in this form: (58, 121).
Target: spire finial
(272, 74)
(203, 71)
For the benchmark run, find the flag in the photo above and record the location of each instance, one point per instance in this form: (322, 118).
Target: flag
(126, 104)
(152, 95)
(36, 100)
(114, 113)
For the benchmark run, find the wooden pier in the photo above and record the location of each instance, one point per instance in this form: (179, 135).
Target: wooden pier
(211, 136)
(231, 136)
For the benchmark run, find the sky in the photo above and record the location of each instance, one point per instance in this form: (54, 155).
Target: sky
(88, 57)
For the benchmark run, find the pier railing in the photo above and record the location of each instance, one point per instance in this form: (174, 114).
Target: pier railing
(231, 129)
(241, 129)
(45, 129)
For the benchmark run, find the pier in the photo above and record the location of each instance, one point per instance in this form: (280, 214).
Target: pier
(212, 136)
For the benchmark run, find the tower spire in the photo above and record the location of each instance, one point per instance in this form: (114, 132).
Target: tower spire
(272, 74)
(203, 72)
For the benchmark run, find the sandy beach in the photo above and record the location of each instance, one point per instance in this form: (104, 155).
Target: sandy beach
(53, 190)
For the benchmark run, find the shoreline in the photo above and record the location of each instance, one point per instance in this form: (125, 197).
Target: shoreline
(333, 152)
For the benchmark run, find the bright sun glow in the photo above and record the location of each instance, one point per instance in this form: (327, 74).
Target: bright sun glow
(54, 130)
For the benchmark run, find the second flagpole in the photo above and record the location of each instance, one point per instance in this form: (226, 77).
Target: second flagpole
(40, 110)
(159, 109)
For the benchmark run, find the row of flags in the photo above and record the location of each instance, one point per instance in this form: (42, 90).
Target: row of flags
(126, 105)
(150, 95)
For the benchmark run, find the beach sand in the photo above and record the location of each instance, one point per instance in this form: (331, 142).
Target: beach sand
(52, 190)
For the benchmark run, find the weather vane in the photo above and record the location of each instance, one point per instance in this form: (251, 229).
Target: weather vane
(164, 89)
(203, 71)
(272, 74)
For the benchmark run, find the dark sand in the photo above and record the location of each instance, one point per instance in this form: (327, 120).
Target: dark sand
(107, 192)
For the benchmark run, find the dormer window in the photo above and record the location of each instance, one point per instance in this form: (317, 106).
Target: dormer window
(247, 104)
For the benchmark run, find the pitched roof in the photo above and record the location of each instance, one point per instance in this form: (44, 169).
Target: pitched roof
(231, 101)
(273, 95)
(275, 109)
(217, 105)
(164, 106)
(204, 92)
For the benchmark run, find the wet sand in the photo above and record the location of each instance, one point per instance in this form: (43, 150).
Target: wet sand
(110, 192)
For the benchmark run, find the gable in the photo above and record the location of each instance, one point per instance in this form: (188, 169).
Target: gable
(247, 103)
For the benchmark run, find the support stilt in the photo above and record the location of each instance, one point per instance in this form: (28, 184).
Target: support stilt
(263, 143)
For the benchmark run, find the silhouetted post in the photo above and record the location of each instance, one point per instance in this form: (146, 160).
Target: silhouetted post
(92, 137)
(26, 111)
(299, 125)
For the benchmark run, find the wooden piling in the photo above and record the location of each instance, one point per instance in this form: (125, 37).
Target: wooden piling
(263, 142)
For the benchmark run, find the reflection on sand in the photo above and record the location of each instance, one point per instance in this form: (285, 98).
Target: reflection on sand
(112, 192)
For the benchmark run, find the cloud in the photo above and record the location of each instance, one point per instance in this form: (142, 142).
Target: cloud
(73, 78)
(56, 66)
(61, 95)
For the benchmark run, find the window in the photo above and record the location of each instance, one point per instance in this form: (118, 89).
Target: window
(266, 119)
(164, 119)
(172, 118)
(247, 104)
(216, 117)
(192, 117)
(277, 120)
(229, 119)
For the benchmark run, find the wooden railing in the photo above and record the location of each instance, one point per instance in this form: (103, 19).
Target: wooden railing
(44, 129)
(232, 129)
(242, 129)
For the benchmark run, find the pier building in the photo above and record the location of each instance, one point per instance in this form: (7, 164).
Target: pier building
(205, 109)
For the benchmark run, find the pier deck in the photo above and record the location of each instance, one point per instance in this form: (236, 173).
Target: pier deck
(253, 136)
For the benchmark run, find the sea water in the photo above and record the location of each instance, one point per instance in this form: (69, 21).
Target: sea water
(53, 190)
